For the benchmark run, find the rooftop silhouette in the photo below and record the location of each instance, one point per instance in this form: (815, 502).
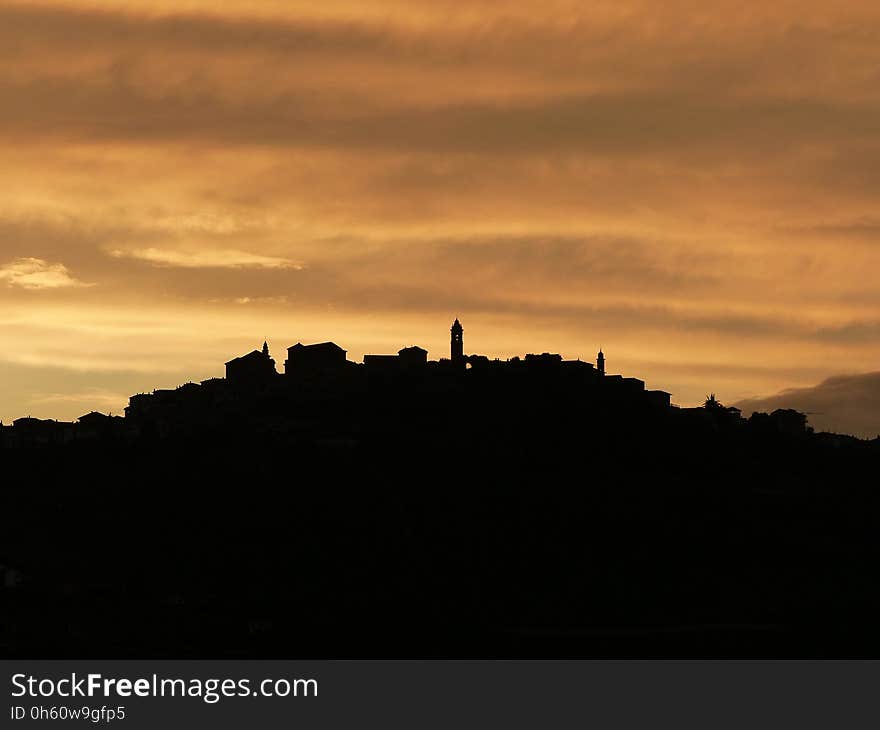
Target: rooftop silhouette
(322, 369)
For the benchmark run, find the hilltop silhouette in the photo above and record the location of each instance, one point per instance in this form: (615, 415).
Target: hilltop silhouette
(458, 507)
(844, 402)
(254, 392)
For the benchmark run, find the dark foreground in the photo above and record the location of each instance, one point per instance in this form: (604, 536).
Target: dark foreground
(527, 526)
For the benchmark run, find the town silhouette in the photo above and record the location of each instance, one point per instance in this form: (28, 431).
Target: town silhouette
(407, 507)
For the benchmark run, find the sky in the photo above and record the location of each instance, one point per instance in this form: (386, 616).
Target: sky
(691, 186)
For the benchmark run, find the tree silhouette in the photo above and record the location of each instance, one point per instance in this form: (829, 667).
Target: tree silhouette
(712, 404)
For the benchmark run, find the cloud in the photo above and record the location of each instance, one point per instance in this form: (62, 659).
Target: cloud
(362, 85)
(843, 404)
(207, 259)
(32, 273)
(672, 125)
(862, 229)
(90, 398)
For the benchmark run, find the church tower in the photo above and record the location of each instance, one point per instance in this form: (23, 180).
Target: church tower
(600, 362)
(267, 357)
(457, 341)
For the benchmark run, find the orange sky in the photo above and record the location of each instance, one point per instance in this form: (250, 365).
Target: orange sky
(694, 188)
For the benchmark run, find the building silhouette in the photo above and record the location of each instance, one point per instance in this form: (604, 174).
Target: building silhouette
(322, 371)
(413, 356)
(407, 359)
(255, 368)
(457, 341)
(310, 358)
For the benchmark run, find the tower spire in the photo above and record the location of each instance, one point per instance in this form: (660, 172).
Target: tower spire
(456, 344)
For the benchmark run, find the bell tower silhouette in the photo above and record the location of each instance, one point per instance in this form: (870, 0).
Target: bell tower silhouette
(457, 341)
(600, 362)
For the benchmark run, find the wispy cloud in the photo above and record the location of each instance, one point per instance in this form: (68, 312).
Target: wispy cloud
(223, 259)
(32, 273)
(95, 398)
